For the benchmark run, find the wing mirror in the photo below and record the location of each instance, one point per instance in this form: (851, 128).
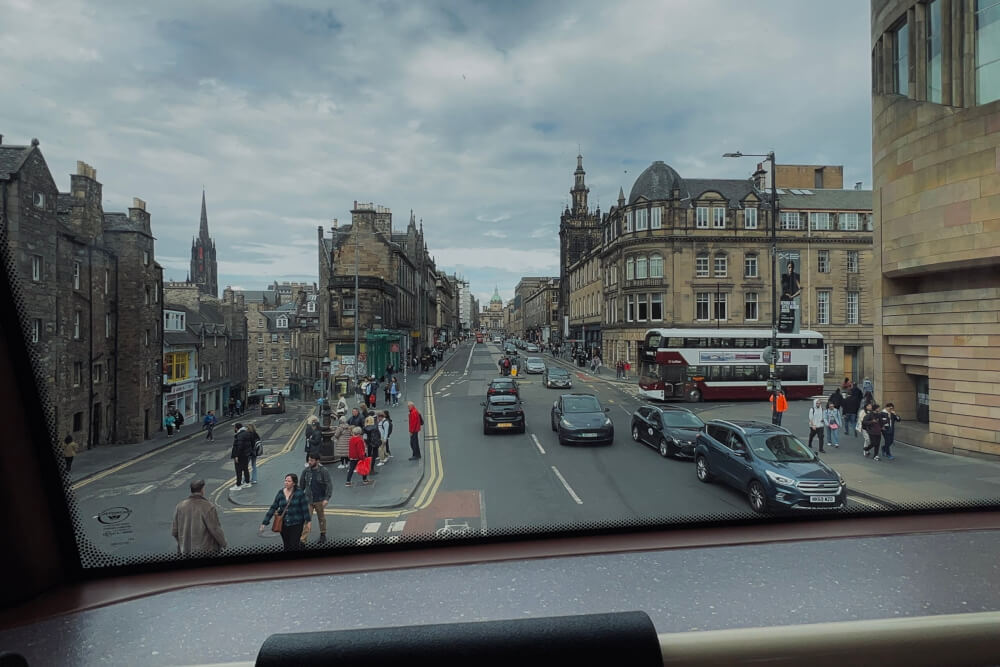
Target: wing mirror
(483, 404)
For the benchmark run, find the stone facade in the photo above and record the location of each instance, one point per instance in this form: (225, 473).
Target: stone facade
(492, 318)
(541, 312)
(586, 306)
(88, 288)
(936, 155)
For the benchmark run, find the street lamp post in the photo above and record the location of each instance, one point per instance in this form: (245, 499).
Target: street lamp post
(774, 279)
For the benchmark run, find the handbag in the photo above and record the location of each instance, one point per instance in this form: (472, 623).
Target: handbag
(364, 466)
(834, 426)
(279, 518)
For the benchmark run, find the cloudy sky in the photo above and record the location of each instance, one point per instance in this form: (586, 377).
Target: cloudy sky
(470, 113)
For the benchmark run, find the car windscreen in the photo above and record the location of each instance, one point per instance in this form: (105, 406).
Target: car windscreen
(581, 404)
(270, 399)
(502, 384)
(558, 372)
(534, 360)
(780, 448)
(681, 419)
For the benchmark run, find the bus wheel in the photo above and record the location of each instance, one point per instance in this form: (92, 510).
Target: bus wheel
(694, 396)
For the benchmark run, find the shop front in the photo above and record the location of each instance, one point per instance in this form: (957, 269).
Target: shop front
(182, 396)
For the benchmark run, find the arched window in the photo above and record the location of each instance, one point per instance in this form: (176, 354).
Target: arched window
(640, 267)
(629, 269)
(655, 266)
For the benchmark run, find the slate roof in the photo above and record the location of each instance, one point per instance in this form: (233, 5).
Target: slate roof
(260, 296)
(656, 183)
(11, 159)
(120, 222)
(180, 338)
(837, 200)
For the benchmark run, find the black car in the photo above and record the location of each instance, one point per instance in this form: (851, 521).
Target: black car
(502, 412)
(504, 385)
(580, 418)
(557, 377)
(671, 430)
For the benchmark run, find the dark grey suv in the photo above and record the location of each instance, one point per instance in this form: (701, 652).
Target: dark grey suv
(669, 429)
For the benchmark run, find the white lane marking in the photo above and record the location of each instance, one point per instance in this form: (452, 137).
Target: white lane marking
(446, 395)
(482, 513)
(865, 501)
(562, 479)
(145, 489)
(537, 444)
(396, 526)
(365, 541)
(471, 350)
(625, 410)
(184, 468)
(372, 527)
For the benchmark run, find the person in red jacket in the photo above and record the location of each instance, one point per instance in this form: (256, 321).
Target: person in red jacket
(356, 452)
(782, 406)
(416, 423)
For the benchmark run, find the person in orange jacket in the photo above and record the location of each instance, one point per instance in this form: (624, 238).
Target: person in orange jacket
(782, 406)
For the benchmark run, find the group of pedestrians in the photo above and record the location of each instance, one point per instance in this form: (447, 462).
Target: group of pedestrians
(247, 446)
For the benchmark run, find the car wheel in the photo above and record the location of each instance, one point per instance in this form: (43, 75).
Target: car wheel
(757, 497)
(701, 469)
(635, 432)
(694, 396)
(666, 449)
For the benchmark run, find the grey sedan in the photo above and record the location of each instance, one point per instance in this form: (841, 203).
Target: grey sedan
(534, 365)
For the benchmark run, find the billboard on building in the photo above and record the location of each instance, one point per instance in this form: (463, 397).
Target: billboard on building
(789, 291)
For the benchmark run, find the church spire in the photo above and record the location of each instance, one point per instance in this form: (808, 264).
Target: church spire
(204, 268)
(580, 189)
(621, 197)
(203, 228)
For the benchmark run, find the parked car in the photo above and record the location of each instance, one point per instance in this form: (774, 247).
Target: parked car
(557, 377)
(769, 464)
(534, 365)
(502, 412)
(580, 418)
(531, 347)
(503, 385)
(672, 430)
(272, 403)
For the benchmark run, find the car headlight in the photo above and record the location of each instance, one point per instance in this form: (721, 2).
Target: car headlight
(781, 479)
(565, 424)
(607, 422)
(840, 478)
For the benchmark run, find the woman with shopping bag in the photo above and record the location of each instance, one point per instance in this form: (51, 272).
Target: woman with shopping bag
(357, 454)
(290, 511)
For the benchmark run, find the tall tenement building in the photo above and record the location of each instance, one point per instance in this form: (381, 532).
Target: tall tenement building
(936, 167)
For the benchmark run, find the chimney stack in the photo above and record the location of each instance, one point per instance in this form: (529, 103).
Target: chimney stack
(857, 186)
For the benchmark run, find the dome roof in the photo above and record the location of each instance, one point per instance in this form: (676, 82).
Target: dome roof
(496, 296)
(656, 183)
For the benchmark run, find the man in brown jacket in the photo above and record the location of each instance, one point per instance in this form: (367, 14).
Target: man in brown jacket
(196, 523)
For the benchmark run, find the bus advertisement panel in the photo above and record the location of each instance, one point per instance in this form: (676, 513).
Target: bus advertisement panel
(727, 364)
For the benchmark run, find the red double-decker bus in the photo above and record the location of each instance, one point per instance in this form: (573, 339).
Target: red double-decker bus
(479, 336)
(725, 364)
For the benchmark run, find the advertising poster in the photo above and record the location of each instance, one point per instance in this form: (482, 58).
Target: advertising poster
(790, 291)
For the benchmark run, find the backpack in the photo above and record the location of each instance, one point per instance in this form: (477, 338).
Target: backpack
(421, 418)
(390, 426)
(258, 448)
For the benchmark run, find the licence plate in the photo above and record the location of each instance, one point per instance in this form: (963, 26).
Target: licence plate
(504, 425)
(822, 499)
(588, 435)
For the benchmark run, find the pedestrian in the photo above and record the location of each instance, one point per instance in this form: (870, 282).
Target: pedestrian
(341, 442)
(168, 423)
(256, 449)
(817, 423)
(373, 438)
(851, 405)
(314, 437)
(372, 392)
(178, 420)
(70, 448)
(389, 369)
(860, 418)
(872, 424)
(239, 407)
(318, 487)
(416, 423)
(782, 406)
(231, 407)
(500, 365)
(356, 452)
(342, 407)
(889, 420)
(384, 428)
(208, 424)
(196, 525)
(386, 391)
(242, 446)
(833, 424)
(628, 367)
(356, 419)
(291, 506)
(394, 391)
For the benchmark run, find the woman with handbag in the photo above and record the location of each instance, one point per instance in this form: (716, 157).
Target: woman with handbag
(833, 424)
(357, 454)
(290, 511)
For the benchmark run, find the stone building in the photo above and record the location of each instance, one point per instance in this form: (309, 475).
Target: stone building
(525, 287)
(936, 154)
(695, 253)
(541, 312)
(579, 231)
(204, 270)
(446, 308)
(492, 318)
(586, 308)
(89, 290)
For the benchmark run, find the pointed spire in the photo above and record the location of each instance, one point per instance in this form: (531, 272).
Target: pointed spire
(413, 220)
(621, 197)
(203, 228)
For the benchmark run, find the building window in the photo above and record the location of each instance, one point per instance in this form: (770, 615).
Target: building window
(849, 222)
(721, 266)
(901, 60)
(274, 373)
(260, 355)
(145, 258)
(260, 338)
(177, 366)
(640, 220)
(852, 261)
(701, 266)
(702, 301)
(750, 266)
(288, 354)
(222, 369)
(750, 306)
(107, 281)
(76, 325)
(852, 307)
(722, 306)
(288, 373)
(822, 306)
(719, 218)
(98, 373)
(933, 49)
(642, 303)
(76, 275)
(310, 306)
(36, 330)
(146, 338)
(640, 267)
(701, 217)
(282, 322)
(823, 261)
(260, 322)
(655, 265)
(819, 221)
(827, 359)
(36, 268)
(656, 307)
(790, 220)
(156, 291)
(628, 222)
(274, 338)
(987, 51)
(39, 200)
(107, 325)
(77, 372)
(629, 307)
(260, 373)
(146, 298)
(274, 354)
(656, 218)
(77, 421)
(750, 218)
(629, 269)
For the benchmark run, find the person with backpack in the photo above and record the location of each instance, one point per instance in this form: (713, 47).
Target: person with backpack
(257, 450)
(872, 425)
(817, 423)
(889, 419)
(314, 437)
(384, 430)
(209, 424)
(373, 439)
(416, 423)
